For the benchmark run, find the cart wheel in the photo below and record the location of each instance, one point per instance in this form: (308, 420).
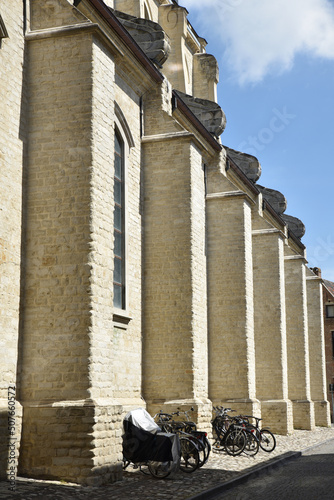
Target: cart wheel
(160, 469)
(126, 463)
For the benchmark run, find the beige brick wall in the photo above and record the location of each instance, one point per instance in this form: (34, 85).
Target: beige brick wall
(231, 311)
(56, 315)
(56, 312)
(270, 322)
(173, 20)
(270, 329)
(157, 111)
(137, 7)
(297, 328)
(205, 76)
(116, 352)
(131, 7)
(72, 351)
(12, 147)
(53, 13)
(62, 442)
(12, 141)
(174, 273)
(298, 342)
(317, 349)
(101, 225)
(198, 274)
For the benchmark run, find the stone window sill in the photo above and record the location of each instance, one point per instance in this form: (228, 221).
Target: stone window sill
(121, 318)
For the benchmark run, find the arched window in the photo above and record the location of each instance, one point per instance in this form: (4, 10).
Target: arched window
(3, 31)
(119, 224)
(123, 142)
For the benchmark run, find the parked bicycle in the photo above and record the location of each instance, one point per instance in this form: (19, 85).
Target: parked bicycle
(256, 437)
(195, 447)
(228, 436)
(267, 440)
(191, 428)
(252, 441)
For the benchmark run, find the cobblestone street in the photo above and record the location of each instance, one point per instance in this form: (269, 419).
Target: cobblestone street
(219, 469)
(308, 477)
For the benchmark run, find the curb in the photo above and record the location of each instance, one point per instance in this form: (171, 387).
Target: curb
(258, 471)
(220, 488)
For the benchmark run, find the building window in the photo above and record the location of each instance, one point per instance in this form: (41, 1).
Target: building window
(3, 31)
(330, 311)
(333, 344)
(119, 225)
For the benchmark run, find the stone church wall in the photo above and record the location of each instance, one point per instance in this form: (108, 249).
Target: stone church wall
(202, 247)
(80, 367)
(57, 317)
(13, 128)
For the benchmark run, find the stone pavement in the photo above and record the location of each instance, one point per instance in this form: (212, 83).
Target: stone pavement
(220, 468)
(309, 477)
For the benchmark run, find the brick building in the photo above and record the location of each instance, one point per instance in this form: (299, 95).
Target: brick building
(328, 291)
(136, 249)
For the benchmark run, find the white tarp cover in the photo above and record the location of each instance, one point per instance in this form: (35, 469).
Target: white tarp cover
(142, 419)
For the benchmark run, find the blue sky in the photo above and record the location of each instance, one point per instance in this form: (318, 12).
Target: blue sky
(276, 62)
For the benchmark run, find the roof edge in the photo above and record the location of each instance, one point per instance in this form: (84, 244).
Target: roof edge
(324, 282)
(115, 24)
(231, 164)
(178, 103)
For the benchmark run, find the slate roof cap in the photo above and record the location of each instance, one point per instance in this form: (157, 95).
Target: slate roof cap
(180, 104)
(114, 23)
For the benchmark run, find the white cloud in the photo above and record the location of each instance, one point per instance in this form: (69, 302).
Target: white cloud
(260, 37)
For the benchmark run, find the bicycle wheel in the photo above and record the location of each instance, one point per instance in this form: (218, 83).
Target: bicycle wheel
(220, 426)
(252, 443)
(234, 442)
(189, 455)
(204, 446)
(160, 470)
(267, 440)
(200, 448)
(207, 448)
